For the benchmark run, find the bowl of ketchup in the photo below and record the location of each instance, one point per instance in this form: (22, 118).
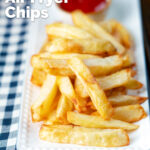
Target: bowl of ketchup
(95, 8)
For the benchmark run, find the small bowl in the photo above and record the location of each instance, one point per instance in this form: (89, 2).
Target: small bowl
(100, 15)
(97, 16)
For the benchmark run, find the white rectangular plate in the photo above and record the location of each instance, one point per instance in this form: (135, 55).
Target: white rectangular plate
(125, 11)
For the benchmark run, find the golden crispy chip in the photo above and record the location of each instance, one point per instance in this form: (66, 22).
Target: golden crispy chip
(63, 107)
(118, 79)
(119, 31)
(52, 119)
(67, 31)
(96, 46)
(98, 66)
(122, 100)
(84, 46)
(66, 55)
(62, 45)
(133, 84)
(128, 59)
(38, 77)
(84, 22)
(66, 88)
(80, 89)
(131, 113)
(94, 90)
(41, 107)
(84, 136)
(98, 122)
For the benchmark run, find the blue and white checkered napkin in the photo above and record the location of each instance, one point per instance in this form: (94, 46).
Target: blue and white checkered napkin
(12, 66)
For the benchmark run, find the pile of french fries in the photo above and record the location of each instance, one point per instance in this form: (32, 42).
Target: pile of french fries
(85, 71)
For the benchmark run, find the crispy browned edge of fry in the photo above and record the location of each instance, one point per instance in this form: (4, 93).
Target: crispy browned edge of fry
(142, 116)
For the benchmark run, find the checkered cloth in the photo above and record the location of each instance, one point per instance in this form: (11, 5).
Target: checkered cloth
(12, 64)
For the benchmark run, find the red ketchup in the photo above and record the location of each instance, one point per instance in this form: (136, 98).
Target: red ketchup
(87, 6)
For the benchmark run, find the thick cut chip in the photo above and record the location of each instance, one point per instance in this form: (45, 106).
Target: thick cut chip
(62, 45)
(66, 55)
(38, 77)
(67, 31)
(41, 107)
(98, 66)
(84, 22)
(51, 118)
(97, 95)
(128, 59)
(84, 46)
(131, 113)
(133, 84)
(98, 122)
(66, 88)
(121, 78)
(122, 100)
(104, 66)
(80, 89)
(118, 31)
(84, 136)
(96, 46)
(63, 107)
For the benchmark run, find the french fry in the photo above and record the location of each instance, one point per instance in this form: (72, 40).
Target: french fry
(66, 88)
(78, 135)
(63, 107)
(98, 122)
(84, 46)
(94, 90)
(118, 79)
(121, 78)
(128, 59)
(84, 22)
(104, 66)
(55, 116)
(96, 46)
(52, 119)
(80, 89)
(98, 66)
(62, 45)
(122, 100)
(131, 113)
(41, 107)
(38, 77)
(66, 55)
(116, 29)
(61, 72)
(133, 84)
(67, 31)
